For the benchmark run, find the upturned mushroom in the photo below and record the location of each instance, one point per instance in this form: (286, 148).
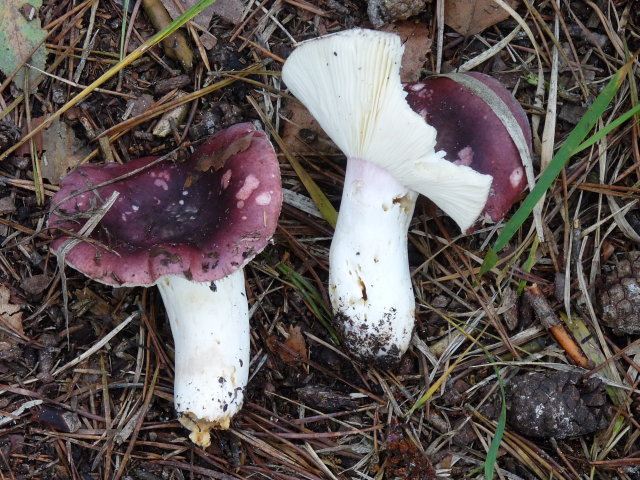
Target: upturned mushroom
(350, 82)
(188, 228)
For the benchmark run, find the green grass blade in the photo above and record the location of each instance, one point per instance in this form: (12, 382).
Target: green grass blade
(123, 30)
(560, 159)
(492, 453)
(529, 263)
(312, 297)
(607, 129)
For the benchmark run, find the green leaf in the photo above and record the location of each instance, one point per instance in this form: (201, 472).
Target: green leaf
(19, 37)
(570, 147)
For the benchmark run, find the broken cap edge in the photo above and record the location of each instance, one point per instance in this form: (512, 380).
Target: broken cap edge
(470, 131)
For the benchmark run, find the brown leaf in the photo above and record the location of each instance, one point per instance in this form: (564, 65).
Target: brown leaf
(302, 134)
(10, 314)
(87, 299)
(294, 348)
(35, 284)
(19, 37)
(11, 320)
(468, 17)
(139, 105)
(218, 158)
(60, 149)
(417, 45)
(325, 398)
(228, 10)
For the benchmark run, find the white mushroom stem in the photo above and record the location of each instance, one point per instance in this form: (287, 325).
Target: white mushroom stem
(369, 279)
(350, 82)
(210, 326)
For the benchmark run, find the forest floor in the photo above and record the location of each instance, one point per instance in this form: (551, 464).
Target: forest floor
(86, 370)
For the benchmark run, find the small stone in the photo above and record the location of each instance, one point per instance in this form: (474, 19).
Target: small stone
(58, 419)
(572, 113)
(58, 94)
(381, 11)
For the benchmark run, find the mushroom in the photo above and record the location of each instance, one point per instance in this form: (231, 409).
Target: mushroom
(188, 228)
(350, 82)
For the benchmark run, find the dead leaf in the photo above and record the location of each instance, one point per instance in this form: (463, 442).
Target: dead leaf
(294, 348)
(468, 17)
(228, 10)
(36, 284)
(325, 398)
(19, 35)
(216, 160)
(59, 148)
(87, 299)
(302, 134)
(10, 313)
(62, 151)
(11, 320)
(417, 45)
(7, 205)
(137, 106)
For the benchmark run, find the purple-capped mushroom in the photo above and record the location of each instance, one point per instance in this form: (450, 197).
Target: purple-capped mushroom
(188, 228)
(470, 133)
(350, 82)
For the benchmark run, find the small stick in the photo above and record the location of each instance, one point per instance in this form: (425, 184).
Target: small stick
(552, 323)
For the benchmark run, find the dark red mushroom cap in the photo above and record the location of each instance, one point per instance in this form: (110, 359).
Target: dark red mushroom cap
(172, 218)
(471, 134)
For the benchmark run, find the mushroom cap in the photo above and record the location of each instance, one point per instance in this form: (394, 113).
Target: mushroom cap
(470, 133)
(159, 226)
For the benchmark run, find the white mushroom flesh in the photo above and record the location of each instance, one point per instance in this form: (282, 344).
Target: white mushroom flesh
(210, 327)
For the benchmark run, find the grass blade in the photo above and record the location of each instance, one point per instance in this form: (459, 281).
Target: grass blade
(312, 297)
(570, 147)
(600, 134)
(492, 453)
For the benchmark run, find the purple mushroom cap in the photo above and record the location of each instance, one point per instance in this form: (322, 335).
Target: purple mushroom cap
(173, 218)
(470, 133)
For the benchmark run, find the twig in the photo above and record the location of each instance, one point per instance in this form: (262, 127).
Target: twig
(551, 322)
